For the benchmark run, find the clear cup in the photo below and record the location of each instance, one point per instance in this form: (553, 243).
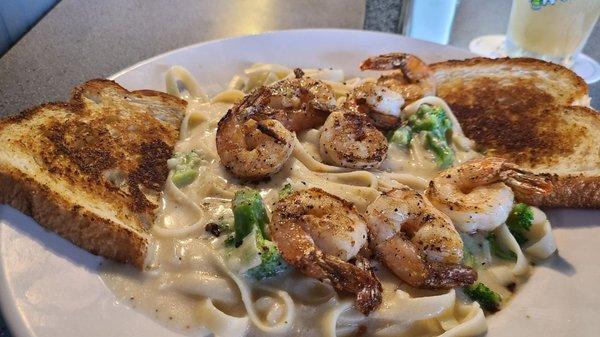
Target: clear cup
(551, 30)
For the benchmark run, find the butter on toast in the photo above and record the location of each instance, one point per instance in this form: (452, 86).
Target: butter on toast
(524, 110)
(92, 169)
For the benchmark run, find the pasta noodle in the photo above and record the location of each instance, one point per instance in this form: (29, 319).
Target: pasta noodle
(195, 278)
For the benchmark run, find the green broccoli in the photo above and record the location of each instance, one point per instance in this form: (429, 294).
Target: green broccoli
(250, 216)
(401, 136)
(186, 168)
(248, 212)
(272, 263)
(487, 298)
(285, 191)
(430, 118)
(444, 155)
(435, 123)
(519, 222)
(498, 250)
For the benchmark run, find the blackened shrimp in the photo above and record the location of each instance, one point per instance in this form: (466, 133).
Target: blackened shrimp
(479, 194)
(383, 100)
(382, 105)
(252, 149)
(299, 104)
(254, 139)
(318, 234)
(348, 139)
(412, 77)
(417, 242)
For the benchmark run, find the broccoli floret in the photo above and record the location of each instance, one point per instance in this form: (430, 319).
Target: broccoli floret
(285, 191)
(401, 136)
(435, 123)
(185, 168)
(430, 118)
(487, 298)
(519, 222)
(248, 212)
(272, 263)
(444, 155)
(498, 250)
(250, 216)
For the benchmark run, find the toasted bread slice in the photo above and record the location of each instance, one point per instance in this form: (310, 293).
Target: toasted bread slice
(92, 169)
(522, 110)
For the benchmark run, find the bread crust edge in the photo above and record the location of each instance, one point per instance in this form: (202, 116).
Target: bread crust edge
(582, 88)
(71, 221)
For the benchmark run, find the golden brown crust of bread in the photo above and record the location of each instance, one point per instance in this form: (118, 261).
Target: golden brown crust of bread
(97, 235)
(108, 144)
(534, 137)
(580, 85)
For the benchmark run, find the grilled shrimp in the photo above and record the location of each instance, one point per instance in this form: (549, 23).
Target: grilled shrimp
(348, 139)
(299, 104)
(254, 138)
(249, 148)
(318, 233)
(478, 195)
(412, 79)
(417, 242)
(381, 104)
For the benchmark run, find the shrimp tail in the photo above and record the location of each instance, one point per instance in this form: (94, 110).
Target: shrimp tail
(358, 279)
(411, 67)
(526, 183)
(370, 295)
(385, 62)
(449, 275)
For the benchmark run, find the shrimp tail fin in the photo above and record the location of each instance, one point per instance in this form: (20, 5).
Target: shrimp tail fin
(447, 275)
(385, 62)
(527, 183)
(370, 295)
(354, 279)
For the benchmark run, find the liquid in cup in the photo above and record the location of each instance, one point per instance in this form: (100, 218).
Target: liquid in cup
(552, 30)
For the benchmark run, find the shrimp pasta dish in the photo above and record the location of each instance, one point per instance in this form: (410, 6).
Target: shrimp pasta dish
(301, 202)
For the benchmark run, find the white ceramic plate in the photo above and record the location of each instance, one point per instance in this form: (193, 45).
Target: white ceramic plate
(49, 287)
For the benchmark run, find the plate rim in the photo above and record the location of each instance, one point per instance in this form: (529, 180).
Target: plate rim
(116, 75)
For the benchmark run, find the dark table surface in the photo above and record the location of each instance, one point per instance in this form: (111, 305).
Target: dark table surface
(83, 39)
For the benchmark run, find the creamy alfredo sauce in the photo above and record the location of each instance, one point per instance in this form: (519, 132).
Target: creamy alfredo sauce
(194, 286)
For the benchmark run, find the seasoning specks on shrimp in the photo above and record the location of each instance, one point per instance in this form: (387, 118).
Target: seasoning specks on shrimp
(479, 194)
(317, 233)
(300, 103)
(417, 242)
(412, 78)
(348, 139)
(254, 138)
(249, 148)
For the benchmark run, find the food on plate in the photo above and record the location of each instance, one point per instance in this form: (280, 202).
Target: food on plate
(532, 113)
(410, 77)
(92, 169)
(348, 139)
(301, 203)
(317, 233)
(417, 242)
(298, 202)
(254, 139)
(479, 194)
